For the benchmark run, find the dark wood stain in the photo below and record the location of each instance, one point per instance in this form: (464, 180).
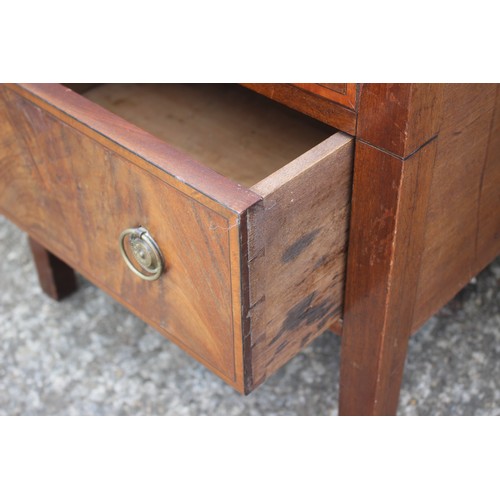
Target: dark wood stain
(293, 251)
(329, 318)
(294, 292)
(306, 339)
(303, 313)
(281, 346)
(321, 262)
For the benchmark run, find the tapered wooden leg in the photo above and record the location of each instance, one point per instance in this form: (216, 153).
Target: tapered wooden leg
(57, 279)
(389, 206)
(396, 142)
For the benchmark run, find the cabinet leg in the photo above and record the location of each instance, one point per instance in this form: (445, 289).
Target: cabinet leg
(397, 136)
(56, 278)
(372, 387)
(388, 214)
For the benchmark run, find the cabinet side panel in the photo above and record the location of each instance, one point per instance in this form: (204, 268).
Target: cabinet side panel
(463, 214)
(488, 234)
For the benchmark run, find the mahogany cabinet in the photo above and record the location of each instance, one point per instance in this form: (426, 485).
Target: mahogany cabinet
(241, 221)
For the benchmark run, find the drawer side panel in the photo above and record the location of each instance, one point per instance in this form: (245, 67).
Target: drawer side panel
(297, 254)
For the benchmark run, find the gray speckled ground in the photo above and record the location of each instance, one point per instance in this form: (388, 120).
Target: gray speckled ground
(88, 356)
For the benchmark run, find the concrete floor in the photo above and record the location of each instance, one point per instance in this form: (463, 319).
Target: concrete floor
(88, 356)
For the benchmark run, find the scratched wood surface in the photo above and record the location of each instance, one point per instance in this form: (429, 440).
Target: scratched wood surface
(463, 219)
(297, 249)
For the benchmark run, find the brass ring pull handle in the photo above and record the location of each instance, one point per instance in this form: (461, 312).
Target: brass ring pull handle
(145, 251)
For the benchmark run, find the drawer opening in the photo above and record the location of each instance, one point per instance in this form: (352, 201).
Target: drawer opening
(234, 131)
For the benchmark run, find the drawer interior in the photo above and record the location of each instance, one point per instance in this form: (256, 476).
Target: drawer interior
(234, 131)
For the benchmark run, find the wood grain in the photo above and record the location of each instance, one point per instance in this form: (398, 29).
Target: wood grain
(297, 247)
(399, 118)
(341, 93)
(341, 88)
(137, 145)
(238, 133)
(386, 242)
(75, 196)
(318, 107)
(73, 180)
(488, 230)
(394, 160)
(464, 214)
(57, 279)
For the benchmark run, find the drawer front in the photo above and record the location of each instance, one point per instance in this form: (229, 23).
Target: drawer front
(76, 195)
(335, 105)
(342, 93)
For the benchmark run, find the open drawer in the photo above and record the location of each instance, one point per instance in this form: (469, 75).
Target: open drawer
(253, 252)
